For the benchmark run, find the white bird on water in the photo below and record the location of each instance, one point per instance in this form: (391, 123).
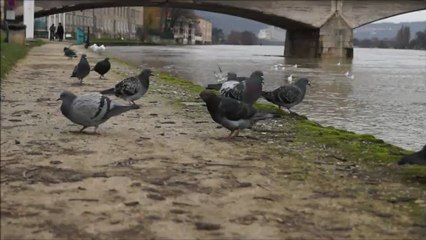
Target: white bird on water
(278, 67)
(290, 78)
(97, 48)
(349, 75)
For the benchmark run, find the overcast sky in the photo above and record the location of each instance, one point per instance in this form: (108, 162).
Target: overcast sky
(408, 17)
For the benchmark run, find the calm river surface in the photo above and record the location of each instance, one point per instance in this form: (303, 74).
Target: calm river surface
(386, 97)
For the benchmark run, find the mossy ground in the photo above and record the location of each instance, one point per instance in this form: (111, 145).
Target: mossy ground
(363, 149)
(11, 53)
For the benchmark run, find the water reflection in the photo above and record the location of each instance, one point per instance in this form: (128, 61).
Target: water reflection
(387, 96)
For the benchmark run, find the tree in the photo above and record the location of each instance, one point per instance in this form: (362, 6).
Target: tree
(234, 38)
(218, 37)
(172, 15)
(140, 33)
(242, 38)
(249, 38)
(419, 42)
(402, 38)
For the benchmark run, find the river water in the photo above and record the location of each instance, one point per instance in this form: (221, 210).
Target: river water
(386, 97)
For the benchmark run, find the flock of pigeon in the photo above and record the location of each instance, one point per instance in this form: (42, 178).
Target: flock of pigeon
(93, 109)
(233, 107)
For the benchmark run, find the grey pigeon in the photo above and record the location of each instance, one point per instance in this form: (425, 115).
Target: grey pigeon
(230, 113)
(69, 52)
(90, 110)
(82, 69)
(102, 67)
(288, 95)
(418, 158)
(132, 88)
(248, 90)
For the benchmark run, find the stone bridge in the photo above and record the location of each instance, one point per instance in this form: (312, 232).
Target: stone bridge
(315, 28)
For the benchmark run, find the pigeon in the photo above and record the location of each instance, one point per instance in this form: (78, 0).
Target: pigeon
(338, 64)
(290, 79)
(295, 66)
(102, 67)
(232, 114)
(69, 53)
(277, 67)
(248, 90)
(82, 69)
(288, 95)
(91, 109)
(132, 88)
(418, 158)
(94, 47)
(349, 75)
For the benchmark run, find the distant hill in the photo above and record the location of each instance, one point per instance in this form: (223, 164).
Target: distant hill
(379, 30)
(387, 30)
(230, 23)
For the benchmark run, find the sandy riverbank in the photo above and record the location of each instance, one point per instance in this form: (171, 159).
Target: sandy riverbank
(161, 173)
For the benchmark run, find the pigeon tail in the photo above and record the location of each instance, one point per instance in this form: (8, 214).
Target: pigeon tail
(119, 109)
(268, 95)
(108, 91)
(262, 115)
(214, 86)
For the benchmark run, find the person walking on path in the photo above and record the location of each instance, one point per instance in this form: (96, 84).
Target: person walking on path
(52, 32)
(60, 32)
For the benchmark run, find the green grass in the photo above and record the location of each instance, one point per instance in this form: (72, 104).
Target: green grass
(180, 82)
(359, 147)
(11, 53)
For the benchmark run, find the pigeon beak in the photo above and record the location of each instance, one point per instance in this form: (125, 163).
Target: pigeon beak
(58, 99)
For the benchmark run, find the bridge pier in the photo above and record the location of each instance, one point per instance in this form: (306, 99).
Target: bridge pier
(332, 40)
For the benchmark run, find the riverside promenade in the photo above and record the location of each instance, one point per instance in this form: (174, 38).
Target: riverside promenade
(163, 171)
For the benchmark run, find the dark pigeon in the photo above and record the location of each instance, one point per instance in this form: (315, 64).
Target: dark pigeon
(288, 95)
(69, 53)
(82, 69)
(132, 88)
(90, 110)
(248, 90)
(102, 67)
(418, 158)
(232, 114)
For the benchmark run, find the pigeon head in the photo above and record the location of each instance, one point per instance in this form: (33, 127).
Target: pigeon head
(106, 59)
(303, 82)
(232, 76)
(66, 96)
(257, 75)
(207, 95)
(65, 48)
(83, 56)
(146, 73)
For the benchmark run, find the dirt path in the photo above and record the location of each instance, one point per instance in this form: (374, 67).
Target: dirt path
(160, 173)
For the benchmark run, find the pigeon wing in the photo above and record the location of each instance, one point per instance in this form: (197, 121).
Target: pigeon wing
(227, 88)
(128, 86)
(233, 89)
(288, 94)
(74, 72)
(90, 108)
(235, 110)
